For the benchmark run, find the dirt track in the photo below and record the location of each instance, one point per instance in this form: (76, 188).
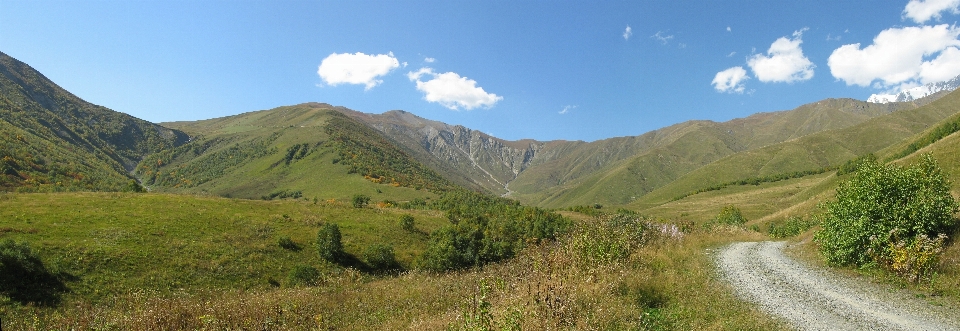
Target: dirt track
(813, 299)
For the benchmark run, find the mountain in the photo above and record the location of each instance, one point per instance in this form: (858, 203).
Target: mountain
(51, 140)
(609, 171)
(307, 150)
(917, 92)
(812, 153)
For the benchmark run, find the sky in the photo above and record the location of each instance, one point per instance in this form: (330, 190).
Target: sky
(571, 70)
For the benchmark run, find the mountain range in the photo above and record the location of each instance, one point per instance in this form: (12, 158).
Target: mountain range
(51, 140)
(917, 92)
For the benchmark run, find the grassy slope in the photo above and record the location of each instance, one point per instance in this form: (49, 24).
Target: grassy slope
(677, 150)
(316, 174)
(119, 242)
(51, 140)
(200, 262)
(825, 149)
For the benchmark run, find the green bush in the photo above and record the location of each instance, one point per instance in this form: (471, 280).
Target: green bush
(406, 223)
(730, 215)
(24, 278)
(881, 204)
(380, 257)
(793, 226)
(303, 274)
(328, 243)
(360, 200)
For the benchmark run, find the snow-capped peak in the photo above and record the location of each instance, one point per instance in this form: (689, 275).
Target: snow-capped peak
(916, 92)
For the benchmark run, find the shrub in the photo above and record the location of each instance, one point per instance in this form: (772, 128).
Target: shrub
(881, 204)
(24, 278)
(914, 260)
(380, 257)
(793, 226)
(303, 274)
(406, 223)
(328, 243)
(730, 215)
(360, 200)
(452, 247)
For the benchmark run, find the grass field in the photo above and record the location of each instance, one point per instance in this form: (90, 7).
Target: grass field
(115, 243)
(157, 261)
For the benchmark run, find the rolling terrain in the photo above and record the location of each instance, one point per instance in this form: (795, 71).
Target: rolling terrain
(51, 140)
(611, 171)
(237, 205)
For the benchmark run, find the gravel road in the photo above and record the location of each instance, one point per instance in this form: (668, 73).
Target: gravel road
(810, 298)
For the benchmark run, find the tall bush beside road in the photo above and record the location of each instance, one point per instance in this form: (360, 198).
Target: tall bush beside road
(884, 207)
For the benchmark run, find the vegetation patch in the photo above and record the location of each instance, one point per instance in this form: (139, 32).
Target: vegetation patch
(886, 216)
(791, 227)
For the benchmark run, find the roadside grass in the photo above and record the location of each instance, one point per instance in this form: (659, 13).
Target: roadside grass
(154, 261)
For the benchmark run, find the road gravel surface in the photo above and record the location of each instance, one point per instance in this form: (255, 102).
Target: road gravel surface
(811, 298)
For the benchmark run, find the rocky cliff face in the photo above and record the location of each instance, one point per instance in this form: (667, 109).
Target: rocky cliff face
(484, 160)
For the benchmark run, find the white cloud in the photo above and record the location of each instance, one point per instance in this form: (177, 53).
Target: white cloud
(567, 109)
(429, 60)
(909, 55)
(404, 64)
(357, 68)
(627, 33)
(728, 29)
(452, 91)
(660, 36)
(784, 61)
(731, 54)
(923, 10)
(730, 80)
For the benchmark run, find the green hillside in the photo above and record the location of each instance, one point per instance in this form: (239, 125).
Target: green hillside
(307, 150)
(51, 140)
(814, 152)
(671, 152)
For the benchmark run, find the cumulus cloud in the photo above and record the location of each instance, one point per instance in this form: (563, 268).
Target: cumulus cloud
(728, 29)
(899, 56)
(429, 60)
(452, 91)
(356, 68)
(921, 11)
(627, 33)
(730, 80)
(567, 109)
(662, 37)
(784, 61)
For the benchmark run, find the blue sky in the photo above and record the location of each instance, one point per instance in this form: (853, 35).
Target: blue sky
(515, 69)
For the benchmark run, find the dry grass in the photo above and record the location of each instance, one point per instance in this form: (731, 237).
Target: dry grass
(665, 283)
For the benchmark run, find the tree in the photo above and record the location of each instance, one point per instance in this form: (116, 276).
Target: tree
(328, 243)
(882, 205)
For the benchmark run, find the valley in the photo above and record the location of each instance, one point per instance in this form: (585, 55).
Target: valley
(315, 216)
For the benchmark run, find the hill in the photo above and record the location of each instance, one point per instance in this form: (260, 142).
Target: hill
(610, 171)
(815, 153)
(51, 140)
(308, 150)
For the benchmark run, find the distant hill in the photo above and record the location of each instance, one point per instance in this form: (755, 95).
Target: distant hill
(609, 171)
(308, 150)
(823, 150)
(51, 140)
